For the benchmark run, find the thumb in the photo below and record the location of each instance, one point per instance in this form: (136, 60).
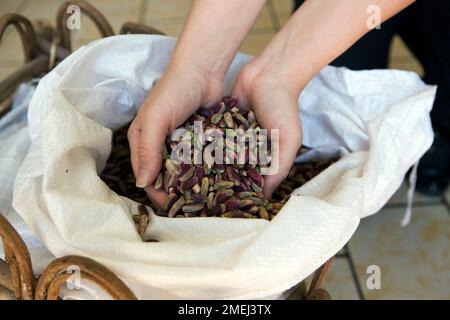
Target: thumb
(148, 152)
(284, 154)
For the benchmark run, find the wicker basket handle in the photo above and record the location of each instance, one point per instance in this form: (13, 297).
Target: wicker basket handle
(319, 275)
(25, 30)
(57, 272)
(18, 258)
(138, 28)
(63, 32)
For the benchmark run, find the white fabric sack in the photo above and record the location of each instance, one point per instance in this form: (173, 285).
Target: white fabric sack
(380, 117)
(14, 144)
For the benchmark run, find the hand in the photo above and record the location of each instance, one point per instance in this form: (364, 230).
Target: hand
(276, 107)
(171, 102)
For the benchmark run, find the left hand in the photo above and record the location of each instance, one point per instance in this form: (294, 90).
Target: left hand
(276, 107)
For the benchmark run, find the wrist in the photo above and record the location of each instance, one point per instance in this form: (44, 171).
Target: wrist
(208, 85)
(261, 72)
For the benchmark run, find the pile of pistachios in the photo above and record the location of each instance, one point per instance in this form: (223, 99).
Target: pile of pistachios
(208, 189)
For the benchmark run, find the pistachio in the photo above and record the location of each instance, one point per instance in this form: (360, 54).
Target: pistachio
(200, 173)
(216, 118)
(170, 166)
(251, 117)
(232, 204)
(228, 214)
(217, 210)
(246, 204)
(263, 213)
(256, 177)
(166, 181)
(159, 181)
(198, 198)
(165, 154)
(193, 207)
(220, 197)
(176, 207)
(206, 112)
(187, 185)
(277, 206)
(232, 176)
(223, 185)
(171, 198)
(228, 119)
(253, 210)
(205, 186)
(260, 201)
(244, 215)
(255, 186)
(188, 174)
(142, 210)
(241, 120)
(187, 195)
(210, 200)
(173, 180)
(196, 188)
(163, 213)
(245, 194)
(143, 223)
(204, 213)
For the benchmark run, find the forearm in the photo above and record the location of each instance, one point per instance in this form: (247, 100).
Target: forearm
(316, 34)
(213, 32)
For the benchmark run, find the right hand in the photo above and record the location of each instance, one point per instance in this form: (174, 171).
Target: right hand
(170, 103)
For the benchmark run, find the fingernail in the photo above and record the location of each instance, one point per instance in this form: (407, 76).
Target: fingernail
(142, 179)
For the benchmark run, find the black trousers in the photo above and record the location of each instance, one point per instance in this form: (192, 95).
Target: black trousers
(425, 28)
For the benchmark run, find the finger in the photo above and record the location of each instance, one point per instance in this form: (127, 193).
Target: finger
(151, 142)
(239, 92)
(157, 197)
(289, 143)
(133, 135)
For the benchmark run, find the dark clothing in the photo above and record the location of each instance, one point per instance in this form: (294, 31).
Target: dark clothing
(425, 28)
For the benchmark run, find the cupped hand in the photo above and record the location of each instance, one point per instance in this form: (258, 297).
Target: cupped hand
(171, 102)
(276, 107)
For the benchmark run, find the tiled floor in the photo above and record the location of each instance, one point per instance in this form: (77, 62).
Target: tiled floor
(414, 262)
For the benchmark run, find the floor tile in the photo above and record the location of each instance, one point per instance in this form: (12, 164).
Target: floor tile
(411, 65)
(171, 27)
(6, 71)
(339, 281)
(283, 7)
(116, 11)
(447, 198)
(399, 49)
(284, 19)
(399, 198)
(7, 6)
(167, 9)
(42, 9)
(414, 261)
(86, 34)
(256, 42)
(342, 252)
(11, 51)
(162, 15)
(264, 21)
(5, 294)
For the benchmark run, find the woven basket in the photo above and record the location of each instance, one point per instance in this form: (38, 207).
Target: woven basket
(43, 48)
